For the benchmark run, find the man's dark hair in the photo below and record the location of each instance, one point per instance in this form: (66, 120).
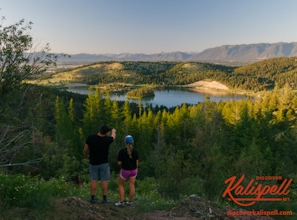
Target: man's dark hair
(104, 129)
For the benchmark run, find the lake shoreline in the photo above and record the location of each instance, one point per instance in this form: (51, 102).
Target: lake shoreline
(192, 87)
(134, 97)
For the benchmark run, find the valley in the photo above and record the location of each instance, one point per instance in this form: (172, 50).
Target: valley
(206, 78)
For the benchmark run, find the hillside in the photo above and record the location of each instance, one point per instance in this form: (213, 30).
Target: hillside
(159, 73)
(267, 73)
(243, 52)
(259, 76)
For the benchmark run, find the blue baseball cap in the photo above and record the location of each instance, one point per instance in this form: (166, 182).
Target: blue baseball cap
(128, 139)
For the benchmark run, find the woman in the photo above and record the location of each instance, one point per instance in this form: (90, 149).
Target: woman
(128, 157)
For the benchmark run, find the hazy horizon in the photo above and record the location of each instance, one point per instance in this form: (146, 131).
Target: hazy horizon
(111, 27)
(159, 52)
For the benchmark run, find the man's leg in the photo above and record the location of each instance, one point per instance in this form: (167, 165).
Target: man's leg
(104, 176)
(104, 188)
(94, 179)
(93, 187)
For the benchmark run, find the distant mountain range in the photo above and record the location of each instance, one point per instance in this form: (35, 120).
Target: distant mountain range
(227, 52)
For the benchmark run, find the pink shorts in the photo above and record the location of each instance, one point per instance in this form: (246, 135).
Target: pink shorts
(125, 174)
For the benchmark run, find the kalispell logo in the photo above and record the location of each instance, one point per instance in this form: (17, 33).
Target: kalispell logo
(258, 191)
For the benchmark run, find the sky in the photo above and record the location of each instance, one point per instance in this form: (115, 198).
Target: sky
(151, 26)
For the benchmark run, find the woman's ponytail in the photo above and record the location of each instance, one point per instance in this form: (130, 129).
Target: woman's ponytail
(129, 149)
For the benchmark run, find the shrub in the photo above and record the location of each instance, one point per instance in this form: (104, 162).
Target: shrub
(18, 189)
(172, 171)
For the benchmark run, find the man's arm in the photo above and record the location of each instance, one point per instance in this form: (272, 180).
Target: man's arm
(86, 151)
(113, 131)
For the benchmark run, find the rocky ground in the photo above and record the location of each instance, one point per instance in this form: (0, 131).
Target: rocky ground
(191, 208)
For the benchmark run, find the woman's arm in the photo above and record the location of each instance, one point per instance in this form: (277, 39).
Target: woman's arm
(137, 164)
(119, 162)
(113, 131)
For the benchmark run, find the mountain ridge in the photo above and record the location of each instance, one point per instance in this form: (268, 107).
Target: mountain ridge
(258, 51)
(248, 52)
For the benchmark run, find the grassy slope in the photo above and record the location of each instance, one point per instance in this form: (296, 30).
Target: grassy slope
(78, 72)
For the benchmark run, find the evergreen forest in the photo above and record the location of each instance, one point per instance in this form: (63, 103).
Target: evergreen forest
(188, 149)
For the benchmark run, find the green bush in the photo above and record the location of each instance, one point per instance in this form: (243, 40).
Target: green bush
(147, 168)
(17, 188)
(147, 188)
(60, 163)
(39, 201)
(176, 177)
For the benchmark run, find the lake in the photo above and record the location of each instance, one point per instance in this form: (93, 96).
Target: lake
(169, 97)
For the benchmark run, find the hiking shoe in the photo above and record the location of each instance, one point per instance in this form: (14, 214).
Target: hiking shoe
(129, 203)
(105, 201)
(92, 201)
(120, 204)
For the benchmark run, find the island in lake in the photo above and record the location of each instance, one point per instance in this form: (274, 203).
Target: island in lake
(141, 93)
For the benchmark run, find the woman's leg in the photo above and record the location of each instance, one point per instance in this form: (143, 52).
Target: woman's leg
(132, 188)
(121, 189)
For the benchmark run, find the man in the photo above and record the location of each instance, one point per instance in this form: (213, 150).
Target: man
(99, 146)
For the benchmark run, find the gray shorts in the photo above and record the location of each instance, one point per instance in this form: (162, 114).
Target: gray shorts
(102, 169)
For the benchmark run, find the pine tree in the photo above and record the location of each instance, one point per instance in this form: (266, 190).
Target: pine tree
(185, 113)
(145, 142)
(134, 125)
(115, 114)
(107, 109)
(273, 103)
(265, 103)
(158, 119)
(286, 97)
(150, 120)
(78, 145)
(76, 139)
(280, 115)
(99, 109)
(57, 109)
(64, 129)
(126, 112)
(71, 112)
(93, 113)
